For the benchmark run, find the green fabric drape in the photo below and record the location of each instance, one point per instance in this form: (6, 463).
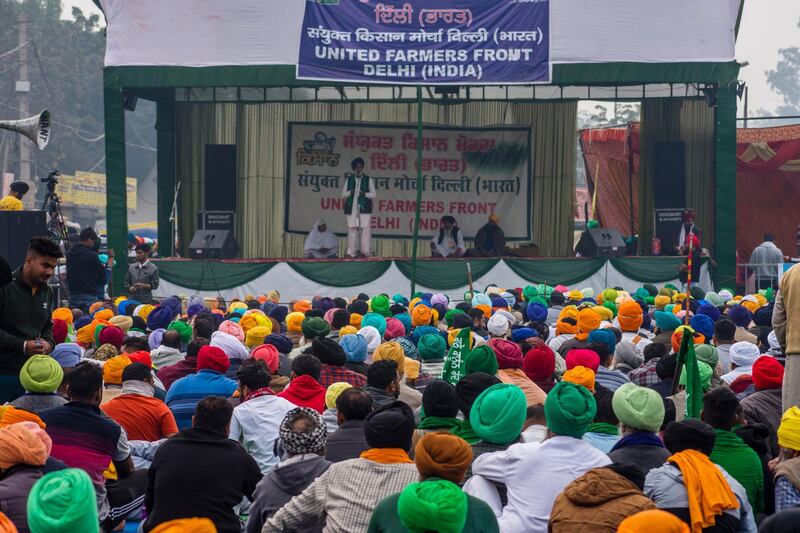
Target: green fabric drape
(215, 274)
(725, 186)
(116, 188)
(165, 128)
(343, 273)
(446, 275)
(259, 129)
(555, 271)
(650, 269)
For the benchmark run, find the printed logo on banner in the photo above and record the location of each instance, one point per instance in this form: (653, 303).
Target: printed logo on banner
(436, 42)
(468, 173)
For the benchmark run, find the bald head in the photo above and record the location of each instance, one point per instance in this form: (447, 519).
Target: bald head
(171, 339)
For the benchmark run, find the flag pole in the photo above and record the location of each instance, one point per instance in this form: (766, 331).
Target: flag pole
(419, 193)
(688, 279)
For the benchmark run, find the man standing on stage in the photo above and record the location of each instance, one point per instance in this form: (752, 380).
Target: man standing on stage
(360, 191)
(13, 202)
(687, 228)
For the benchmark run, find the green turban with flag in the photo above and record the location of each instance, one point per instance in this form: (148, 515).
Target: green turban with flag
(455, 361)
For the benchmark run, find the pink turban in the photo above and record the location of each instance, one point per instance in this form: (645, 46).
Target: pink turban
(232, 328)
(394, 329)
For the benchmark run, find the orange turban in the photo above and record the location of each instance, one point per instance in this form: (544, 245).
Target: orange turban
(12, 415)
(630, 316)
(85, 335)
(580, 375)
(391, 351)
(302, 306)
(293, 321)
(441, 454)
(63, 313)
(487, 310)
(104, 314)
(677, 337)
(112, 369)
(588, 321)
(421, 316)
(94, 307)
(20, 445)
(355, 320)
(653, 521)
(186, 525)
(6, 526)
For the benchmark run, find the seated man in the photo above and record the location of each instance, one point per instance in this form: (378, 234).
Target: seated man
(84, 437)
(321, 242)
(449, 242)
(490, 241)
(201, 471)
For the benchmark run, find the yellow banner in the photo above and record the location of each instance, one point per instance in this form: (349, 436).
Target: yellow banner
(88, 189)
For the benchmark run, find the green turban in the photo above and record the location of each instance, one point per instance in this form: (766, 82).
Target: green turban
(62, 501)
(714, 299)
(41, 373)
(481, 359)
(498, 414)
(183, 328)
(450, 315)
(609, 295)
(697, 293)
(529, 292)
(638, 407)
(641, 293)
(706, 353)
(539, 300)
(313, 327)
(671, 287)
(651, 289)
(545, 290)
(380, 304)
(433, 505)
(611, 306)
(705, 375)
(569, 409)
(376, 320)
(431, 346)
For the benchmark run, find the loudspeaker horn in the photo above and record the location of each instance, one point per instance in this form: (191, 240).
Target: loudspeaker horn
(35, 128)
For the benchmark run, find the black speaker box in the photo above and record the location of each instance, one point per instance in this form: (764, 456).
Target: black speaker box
(17, 228)
(601, 242)
(220, 179)
(213, 244)
(669, 176)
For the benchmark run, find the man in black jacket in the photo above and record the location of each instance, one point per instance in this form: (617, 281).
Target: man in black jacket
(85, 273)
(353, 406)
(26, 304)
(201, 472)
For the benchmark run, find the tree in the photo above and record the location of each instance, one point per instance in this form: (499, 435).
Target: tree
(785, 80)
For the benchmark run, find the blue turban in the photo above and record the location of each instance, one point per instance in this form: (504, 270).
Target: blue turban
(279, 313)
(268, 306)
(160, 317)
(194, 309)
(400, 299)
(703, 324)
(123, 306)
(67, 354)
(666, 321)
(408, 347)
(355, 347)
(509, 298)
(740, 315)
(604, 336)
(82, 321)
(763, 316)
(281, 342)
(324, 304)
(520, 334)
(536, 312)
(710, 311)
(497, 301)
(481, 299)
(174, 303)
(376, 321)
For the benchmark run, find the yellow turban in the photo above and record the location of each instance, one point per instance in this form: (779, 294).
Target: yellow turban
(145, 311)
(355, 320)
(63, 313)
(274, 296)
(604, 312)
(256, 336)
(333, 392)
(293, 321)
(347, 330)
(580, 375)
(575, 295)
(112, 369)
(762, 301)
(413, 303)
(789, 430)
(104, 314)
(750, 306)
(122, 322)
(391, 351)
(85, 335)
(412, 368)
(236, 305)
(254, 318)
(660, 301)
(186, 525)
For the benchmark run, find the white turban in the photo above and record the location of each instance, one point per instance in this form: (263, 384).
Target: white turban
(510, 317)
(230, 345)
(772, 339)
(498, 325)
(744, 354)
(373, 337)
(725, 295)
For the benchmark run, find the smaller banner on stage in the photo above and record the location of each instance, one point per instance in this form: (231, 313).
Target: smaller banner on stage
(433, 42)
(468, 173)
(88, 190)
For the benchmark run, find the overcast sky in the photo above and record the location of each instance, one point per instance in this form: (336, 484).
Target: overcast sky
(767, 26)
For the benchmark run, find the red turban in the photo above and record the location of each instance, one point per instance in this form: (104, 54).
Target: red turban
(141, 357)
(212, 358)
(539, 363)
(59, 330)
(509, 354)
(582, 357)
(111, 335)
(269, 354)
(767, 373)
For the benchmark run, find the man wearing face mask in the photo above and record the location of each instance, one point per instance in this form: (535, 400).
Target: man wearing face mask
(85, 272)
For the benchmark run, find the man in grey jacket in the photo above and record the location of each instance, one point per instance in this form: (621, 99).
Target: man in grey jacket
(765, 261)
(142, 277)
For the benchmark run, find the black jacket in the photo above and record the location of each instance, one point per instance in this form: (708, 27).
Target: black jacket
(23, 316)
(199, 469)
(347, 442)
(85, 272)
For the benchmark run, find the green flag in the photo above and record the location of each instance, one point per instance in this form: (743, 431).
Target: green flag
(694, 390)
(455, 359)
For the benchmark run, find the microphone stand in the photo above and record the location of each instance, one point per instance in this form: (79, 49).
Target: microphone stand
(173, 217)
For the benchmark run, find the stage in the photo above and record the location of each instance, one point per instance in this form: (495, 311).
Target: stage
(304, 279)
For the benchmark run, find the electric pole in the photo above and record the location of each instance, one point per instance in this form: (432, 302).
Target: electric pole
(23, 87)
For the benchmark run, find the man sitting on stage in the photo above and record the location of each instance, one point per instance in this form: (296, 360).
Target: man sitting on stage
(449, 242)
(321, 242)
(13, 202)
(490, 241)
